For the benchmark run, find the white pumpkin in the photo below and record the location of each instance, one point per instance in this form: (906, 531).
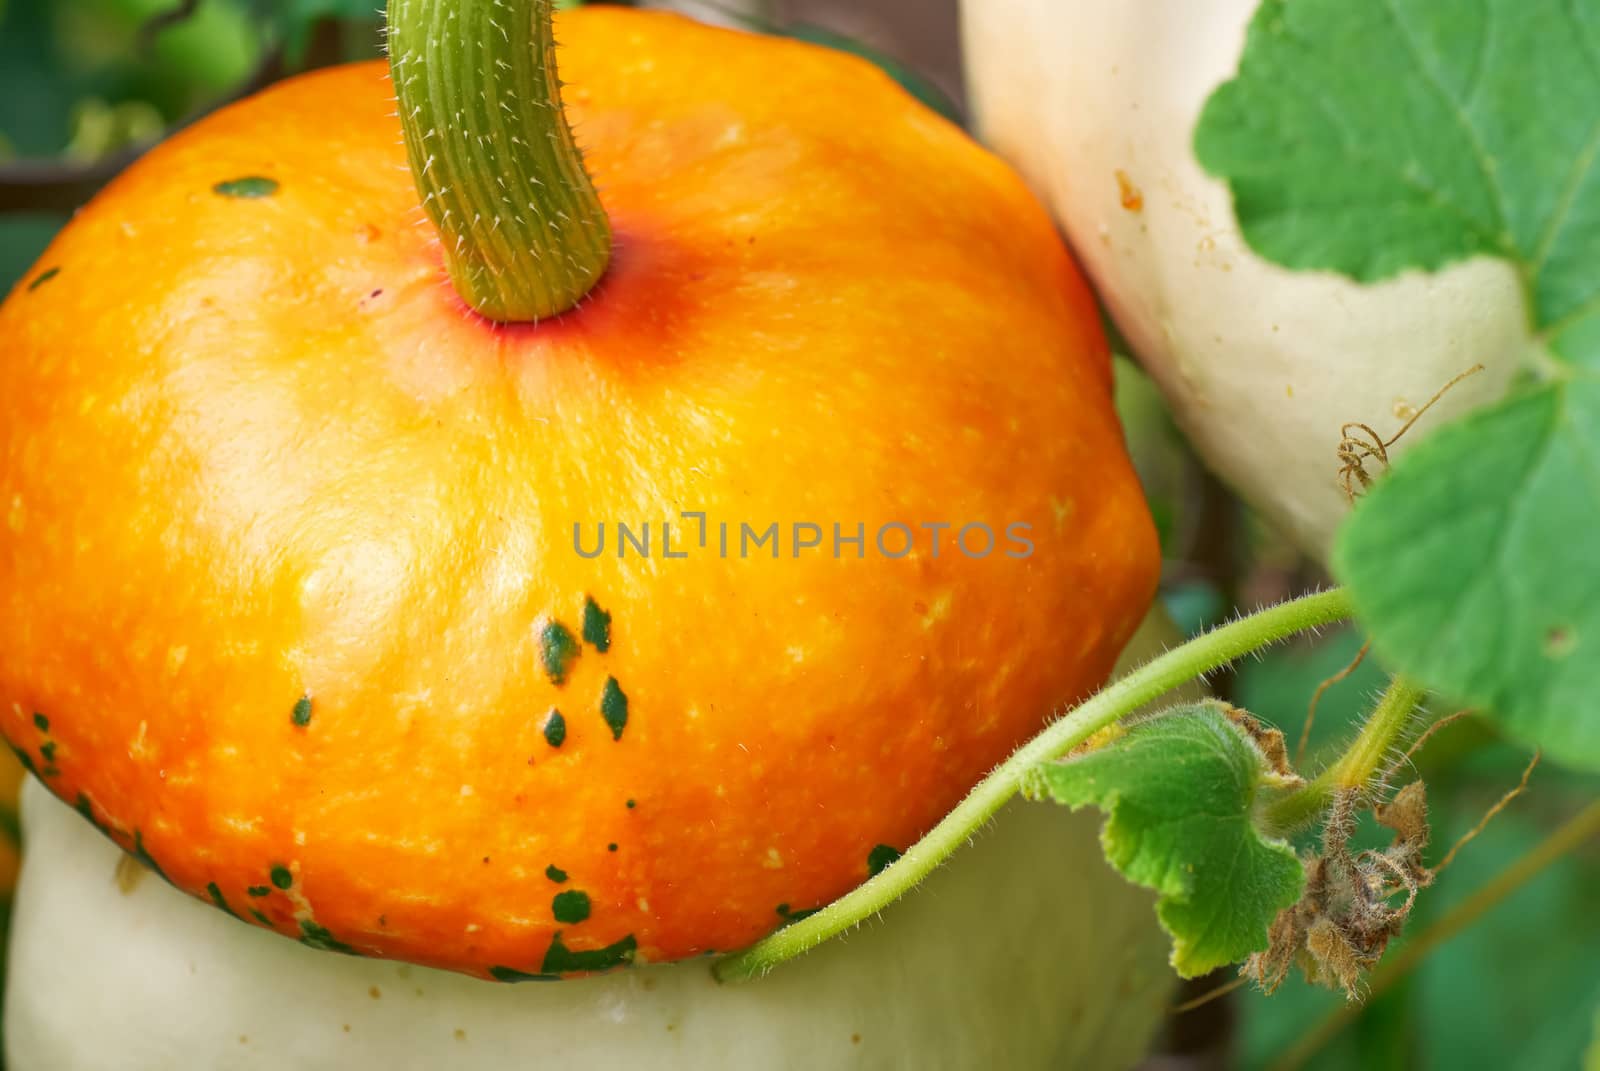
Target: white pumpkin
(1026, 952)
(1096, 103)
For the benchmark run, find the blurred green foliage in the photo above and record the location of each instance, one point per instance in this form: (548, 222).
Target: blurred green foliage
(295, 19)
(1278, 687)
(1160, 456)
(82, 79)
(22, 240)
(57, 56)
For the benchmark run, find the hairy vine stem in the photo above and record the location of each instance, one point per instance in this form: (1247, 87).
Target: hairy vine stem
(1357, 766)
(1198, 656)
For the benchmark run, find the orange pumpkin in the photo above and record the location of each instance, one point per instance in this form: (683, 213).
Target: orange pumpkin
(291, 603)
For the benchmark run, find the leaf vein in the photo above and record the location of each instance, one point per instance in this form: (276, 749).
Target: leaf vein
(1219, 903)
(1586, 46)
(1589, 307)
(1480, 153)
(1582, 164)
(1480, 54)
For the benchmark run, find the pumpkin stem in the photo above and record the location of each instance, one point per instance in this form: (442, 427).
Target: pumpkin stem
(525, 236)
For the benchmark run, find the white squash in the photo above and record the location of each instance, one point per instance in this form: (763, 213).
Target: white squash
(1026, 952)
(1096, 103)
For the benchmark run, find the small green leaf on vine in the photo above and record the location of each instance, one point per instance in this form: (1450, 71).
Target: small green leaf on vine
(1180, 791)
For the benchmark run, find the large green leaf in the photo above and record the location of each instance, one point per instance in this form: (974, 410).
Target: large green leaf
(1369, 137)
(1505, 500)
(1180, 789)
(1372, 136)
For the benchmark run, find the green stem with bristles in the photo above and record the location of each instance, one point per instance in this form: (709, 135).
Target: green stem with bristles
(1367, 754)
(495, 163)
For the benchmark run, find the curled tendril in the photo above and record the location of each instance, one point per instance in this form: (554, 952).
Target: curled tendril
(1359, 443)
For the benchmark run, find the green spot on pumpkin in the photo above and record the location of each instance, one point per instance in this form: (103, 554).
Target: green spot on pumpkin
(570, 907)
(41, 722)
(614, 707)
(42, 278)
(217, 898)
(317, 936)
(632, 804)
(558, 648)
(611, 847)
(47, 751)
(144, 857)
(26, 760)
(259, 891)
(280, 876)
(511, 974)
(555, 873)
(250, 186)
(880, 858)
(555, 728)
(261, 918)
(85, 806)
(560, 959)
(596, 625)
(788, 915)
(301, 715)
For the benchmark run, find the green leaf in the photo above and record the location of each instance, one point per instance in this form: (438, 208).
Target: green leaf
(1369, 137)
(1475, 563)
(1372, 136)
(1179, 789)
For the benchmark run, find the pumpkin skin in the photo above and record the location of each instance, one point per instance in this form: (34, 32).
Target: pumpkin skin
(289, 553)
